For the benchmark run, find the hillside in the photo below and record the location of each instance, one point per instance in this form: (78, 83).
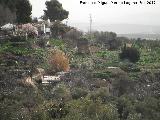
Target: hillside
(99, 84)
(52, 70)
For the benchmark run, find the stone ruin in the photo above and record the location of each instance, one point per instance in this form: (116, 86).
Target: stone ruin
(83, 46)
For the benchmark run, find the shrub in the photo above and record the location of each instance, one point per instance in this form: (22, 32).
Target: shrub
(41, 43)
(58, 61)
(148, 109)
(78, 93)
(39, 115)
(127, 66)
(58, 111)
(84, 109)
(132, 54)
(58, 43)
(125, 107)
(102, 75)
(61, 92)
(18, 39)
(122, 84)
(27, 28)
(102, 93)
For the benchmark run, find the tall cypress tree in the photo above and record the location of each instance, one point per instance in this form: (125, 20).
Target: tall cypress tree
(23, 11)
(55, 11)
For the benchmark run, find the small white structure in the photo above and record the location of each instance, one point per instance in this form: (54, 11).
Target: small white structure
(45, 27)
(112, 67)
(50, 79)
(48, 30)
(61, 73)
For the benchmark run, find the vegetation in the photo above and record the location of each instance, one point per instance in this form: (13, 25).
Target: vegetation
(91, 90)
(130, 53)
(55, 11)
(109, 39)
(23, 11)
(58, 29)
(15, 11)
(102, 83)
(58, 61)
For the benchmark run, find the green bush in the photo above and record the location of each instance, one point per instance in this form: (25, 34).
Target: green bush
(132, 54)
(10, 48)
(58, 43)
(41, 43)
(17, 39)
(102, 75)
(39, 115)
(78, 93)
(84, 109)
(61, 92)
(149, 109)
(58, 110)
(102, 93)
(129, 67)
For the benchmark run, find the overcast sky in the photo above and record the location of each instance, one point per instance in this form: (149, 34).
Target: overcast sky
(109, 13)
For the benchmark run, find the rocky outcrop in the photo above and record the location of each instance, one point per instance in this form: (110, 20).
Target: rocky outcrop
(26, 82)
(38, 76)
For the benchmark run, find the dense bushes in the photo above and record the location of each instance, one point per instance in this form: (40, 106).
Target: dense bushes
(18, 39)
(85, 109)
(129, 66)
(101, 93)
(114, 90)
(132, 54)
(61, 92)
(101, 75)
(78, 93)
(72, 36)
(109, 39)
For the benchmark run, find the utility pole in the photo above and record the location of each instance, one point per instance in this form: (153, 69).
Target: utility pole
(90, 15)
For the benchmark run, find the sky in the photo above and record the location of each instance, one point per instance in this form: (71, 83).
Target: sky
(140, 13)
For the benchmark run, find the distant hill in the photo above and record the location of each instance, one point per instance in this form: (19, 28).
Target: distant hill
(120, 28)
(142, 36)
(126, 30)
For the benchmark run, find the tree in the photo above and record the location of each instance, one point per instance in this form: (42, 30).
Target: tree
(130, 53)
(109, 39)
(7, 12)
(9, 3)
(72, 36)
(23, 11)
(55, 11)
(6, 15)
(15, 11)
(58, 29)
